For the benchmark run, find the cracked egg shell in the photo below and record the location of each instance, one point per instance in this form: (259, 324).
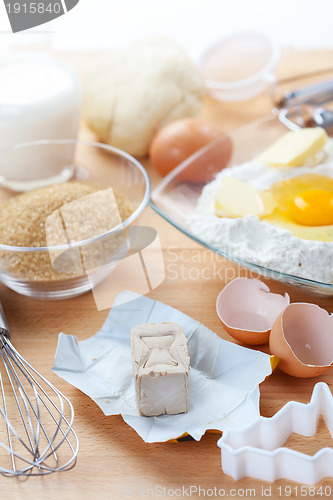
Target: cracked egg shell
(247, 310)
(302, 337)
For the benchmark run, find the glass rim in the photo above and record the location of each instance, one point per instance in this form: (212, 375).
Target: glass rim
(262, 270)
(116, 151)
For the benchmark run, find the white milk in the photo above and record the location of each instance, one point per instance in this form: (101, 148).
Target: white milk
(39, 99)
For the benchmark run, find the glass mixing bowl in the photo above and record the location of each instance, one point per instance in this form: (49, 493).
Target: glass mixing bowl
(176, 196)
(81, 240)
(240, 65)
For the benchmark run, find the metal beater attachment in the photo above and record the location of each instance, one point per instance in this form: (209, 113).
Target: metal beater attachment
(36, 435)
(304, 107)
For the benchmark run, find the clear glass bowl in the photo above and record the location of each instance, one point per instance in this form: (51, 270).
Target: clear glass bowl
(176, 195)
(84, 238)
(240, 66)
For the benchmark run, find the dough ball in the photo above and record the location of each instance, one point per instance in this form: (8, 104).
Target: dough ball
(135, 91)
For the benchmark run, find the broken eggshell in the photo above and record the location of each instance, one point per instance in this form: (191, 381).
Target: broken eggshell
(302, 337)
(247, 310)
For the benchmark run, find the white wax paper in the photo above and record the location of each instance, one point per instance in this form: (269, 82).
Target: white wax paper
(224, 377)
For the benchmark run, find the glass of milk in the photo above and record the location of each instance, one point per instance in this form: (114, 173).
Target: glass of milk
(39, 100)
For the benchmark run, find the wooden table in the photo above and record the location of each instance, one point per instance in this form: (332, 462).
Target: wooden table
(113, 461)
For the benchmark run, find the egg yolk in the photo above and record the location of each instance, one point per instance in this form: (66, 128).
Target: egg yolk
(313, 207)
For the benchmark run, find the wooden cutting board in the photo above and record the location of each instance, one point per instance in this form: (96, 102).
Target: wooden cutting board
(113, 461)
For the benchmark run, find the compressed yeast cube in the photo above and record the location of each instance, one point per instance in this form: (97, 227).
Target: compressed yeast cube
(161, 369)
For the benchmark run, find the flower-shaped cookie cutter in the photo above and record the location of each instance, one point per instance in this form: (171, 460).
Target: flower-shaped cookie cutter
(257, 451)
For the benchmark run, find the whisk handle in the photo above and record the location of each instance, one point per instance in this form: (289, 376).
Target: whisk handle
(4, 330)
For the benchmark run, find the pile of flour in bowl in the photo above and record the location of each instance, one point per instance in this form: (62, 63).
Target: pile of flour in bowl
(256, 241)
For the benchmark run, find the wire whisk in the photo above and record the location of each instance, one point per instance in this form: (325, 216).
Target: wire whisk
(36, 434)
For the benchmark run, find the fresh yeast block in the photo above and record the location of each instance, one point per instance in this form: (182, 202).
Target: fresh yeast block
(161, 369)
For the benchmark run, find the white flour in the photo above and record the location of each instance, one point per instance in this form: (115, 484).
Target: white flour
(258, 242)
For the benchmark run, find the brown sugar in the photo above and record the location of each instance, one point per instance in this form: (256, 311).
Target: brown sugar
(60, 214)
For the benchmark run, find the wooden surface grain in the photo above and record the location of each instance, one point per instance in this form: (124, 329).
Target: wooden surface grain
(113, 461)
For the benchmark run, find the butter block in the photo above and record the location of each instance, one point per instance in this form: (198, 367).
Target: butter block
(295, 148)
(236, 199)
(161, 368)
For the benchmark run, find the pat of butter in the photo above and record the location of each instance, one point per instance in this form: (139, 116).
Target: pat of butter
(236, 199)
(294, 149)
(161, 369)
